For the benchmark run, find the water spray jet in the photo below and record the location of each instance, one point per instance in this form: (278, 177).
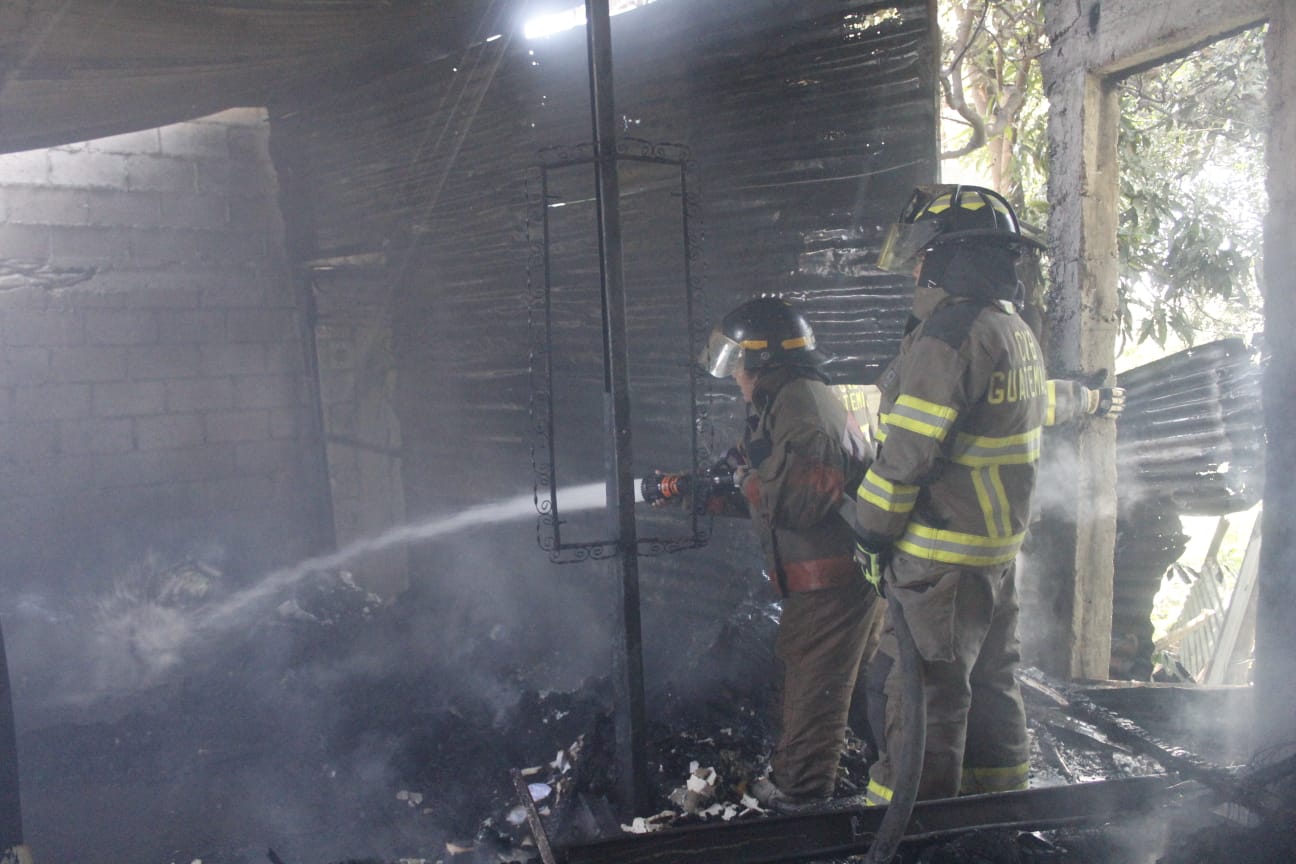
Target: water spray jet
(164, 646)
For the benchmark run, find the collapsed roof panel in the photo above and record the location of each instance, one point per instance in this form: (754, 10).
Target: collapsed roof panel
(1192, 434)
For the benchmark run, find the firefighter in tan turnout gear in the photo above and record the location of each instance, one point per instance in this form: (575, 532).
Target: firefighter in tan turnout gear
(803, 455)
(945, 506)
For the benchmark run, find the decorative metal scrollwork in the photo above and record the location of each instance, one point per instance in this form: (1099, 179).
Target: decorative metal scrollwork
(540, 321)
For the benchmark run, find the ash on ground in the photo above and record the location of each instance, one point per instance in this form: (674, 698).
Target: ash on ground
(333, 730)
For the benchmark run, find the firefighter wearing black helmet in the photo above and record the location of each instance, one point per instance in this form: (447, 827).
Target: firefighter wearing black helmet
(943, 510)
(804, 454)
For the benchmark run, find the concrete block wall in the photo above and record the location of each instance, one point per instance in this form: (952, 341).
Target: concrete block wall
(153, 386)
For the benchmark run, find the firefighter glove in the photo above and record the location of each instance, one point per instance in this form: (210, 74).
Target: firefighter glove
(1106, 401)
(872, 563)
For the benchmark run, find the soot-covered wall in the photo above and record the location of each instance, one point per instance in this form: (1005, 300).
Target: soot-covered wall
(808, 123)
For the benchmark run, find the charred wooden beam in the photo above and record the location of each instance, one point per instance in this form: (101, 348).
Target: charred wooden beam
(851, 831)
(1222, 781)
(533, 818)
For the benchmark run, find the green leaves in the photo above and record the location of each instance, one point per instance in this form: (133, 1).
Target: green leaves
(1191, 160)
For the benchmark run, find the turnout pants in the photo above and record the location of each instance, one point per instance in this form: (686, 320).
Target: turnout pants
(821, 641)
(964, 622)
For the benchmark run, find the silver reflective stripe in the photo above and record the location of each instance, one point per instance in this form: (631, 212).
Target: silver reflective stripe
(990, 492)
(891, 497)
(975, 451)
(922, 417)
(955, 547)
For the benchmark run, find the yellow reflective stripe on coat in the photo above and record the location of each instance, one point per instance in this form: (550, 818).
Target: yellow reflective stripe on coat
(1050, 415)
(977, 451)
(888, 496)
(1008, 778)
(922, 417)
(877, 795)
(993, 500)
(882, 428)
(955, 547)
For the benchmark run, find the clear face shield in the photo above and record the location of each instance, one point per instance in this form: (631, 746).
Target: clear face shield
(903, 242)
(722, 356)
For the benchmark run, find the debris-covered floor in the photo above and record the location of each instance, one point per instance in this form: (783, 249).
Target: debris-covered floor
(305, 740)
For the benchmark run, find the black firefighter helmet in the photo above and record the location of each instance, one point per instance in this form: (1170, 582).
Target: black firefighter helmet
(759, 334)
(947, 214)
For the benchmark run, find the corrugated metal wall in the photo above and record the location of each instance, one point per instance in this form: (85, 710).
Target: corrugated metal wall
(808, 124)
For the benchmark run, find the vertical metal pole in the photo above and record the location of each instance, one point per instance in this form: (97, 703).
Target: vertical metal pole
(10, 804)
(628, 674)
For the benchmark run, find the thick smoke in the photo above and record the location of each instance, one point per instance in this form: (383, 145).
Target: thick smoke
(287, 700)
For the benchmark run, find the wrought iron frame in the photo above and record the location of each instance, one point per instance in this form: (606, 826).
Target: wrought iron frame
(543, 456)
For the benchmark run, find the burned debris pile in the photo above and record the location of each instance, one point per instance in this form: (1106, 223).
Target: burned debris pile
(323, 730)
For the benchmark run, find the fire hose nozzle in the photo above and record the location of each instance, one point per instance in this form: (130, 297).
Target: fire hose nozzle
(663, 487)
(671, 487)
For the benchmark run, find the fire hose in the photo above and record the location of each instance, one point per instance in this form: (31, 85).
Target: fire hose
(908, 761)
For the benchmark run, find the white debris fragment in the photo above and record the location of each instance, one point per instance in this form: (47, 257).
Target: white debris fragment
(413, 799)
(650, 824)
(517, 815)
(539, 791)
(698, 790)
(532, 771)
(560, 762)
(750, 803)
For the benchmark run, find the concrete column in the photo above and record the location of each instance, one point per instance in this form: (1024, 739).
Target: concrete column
(1081, 329)
(1093, 44)
(1275, 636)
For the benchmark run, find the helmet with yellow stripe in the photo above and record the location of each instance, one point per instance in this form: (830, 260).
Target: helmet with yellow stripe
(950, 214)
(759, 334)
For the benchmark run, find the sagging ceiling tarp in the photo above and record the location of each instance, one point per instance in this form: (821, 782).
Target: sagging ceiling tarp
(74, 71)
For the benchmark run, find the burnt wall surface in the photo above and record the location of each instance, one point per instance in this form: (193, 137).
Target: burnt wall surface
(153, 398)
(808, 123)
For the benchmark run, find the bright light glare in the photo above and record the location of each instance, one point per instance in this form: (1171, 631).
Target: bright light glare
(557, 22)
(547, 25)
